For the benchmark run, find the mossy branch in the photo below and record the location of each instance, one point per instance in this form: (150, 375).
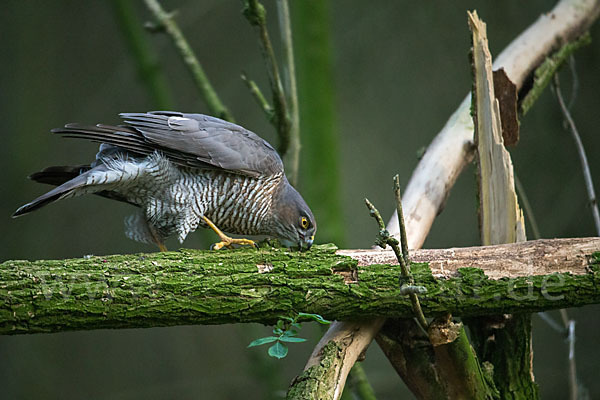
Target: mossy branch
(457, 364)
(545, 72)
(411, 354)
(209, 287)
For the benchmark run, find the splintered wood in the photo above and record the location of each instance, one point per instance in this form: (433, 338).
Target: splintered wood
(500, 217)
(509, 261)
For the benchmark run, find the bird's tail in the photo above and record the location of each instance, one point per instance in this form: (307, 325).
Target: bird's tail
(67, 179)
(58, 175)
(74, 181)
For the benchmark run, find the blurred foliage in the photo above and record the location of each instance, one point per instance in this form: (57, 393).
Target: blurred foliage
(398, 71)
(318, 126)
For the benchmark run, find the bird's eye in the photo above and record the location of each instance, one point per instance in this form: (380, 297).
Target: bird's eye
(304, 223)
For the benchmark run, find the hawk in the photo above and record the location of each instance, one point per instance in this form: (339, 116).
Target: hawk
(184, 171)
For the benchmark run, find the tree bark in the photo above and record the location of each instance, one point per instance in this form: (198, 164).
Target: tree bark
(504, 341)
(207, 287)
(460, 371)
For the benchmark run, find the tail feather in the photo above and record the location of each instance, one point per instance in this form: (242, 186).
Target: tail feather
(58, 175)
(57, 193)
(67, 179)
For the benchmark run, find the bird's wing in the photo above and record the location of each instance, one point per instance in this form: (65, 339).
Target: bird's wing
(192, 140)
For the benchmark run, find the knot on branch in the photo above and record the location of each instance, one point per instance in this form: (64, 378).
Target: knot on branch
(412, 289)
(159, 26)
(255, 13)
(384, 238)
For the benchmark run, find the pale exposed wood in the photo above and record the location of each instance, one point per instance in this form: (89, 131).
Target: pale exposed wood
(536, 257)
(345, 335)
(501, 219)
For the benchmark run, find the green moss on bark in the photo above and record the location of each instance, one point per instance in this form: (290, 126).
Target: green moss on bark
(245, 285)
(315, 382)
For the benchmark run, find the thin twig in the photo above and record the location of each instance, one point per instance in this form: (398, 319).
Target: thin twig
(403, 239)
(573, 385)
(147, 64)
(524, 200)
(292, 159)
(565, 318)
(582, 157)
(259, 97)
(570, 330)
(383, 239)
(574, 81)
(404, 243)
(213, 102)
(256, 15)
(551, 322)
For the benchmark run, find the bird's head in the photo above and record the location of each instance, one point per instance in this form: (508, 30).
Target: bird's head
(292, 221)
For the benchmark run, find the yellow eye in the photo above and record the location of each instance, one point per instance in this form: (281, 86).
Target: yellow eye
(304, 223)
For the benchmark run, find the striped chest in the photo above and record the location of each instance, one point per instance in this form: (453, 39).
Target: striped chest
(174, 199)
(234, 203)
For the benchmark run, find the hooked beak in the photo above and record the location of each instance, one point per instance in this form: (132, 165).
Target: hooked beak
(305, 244)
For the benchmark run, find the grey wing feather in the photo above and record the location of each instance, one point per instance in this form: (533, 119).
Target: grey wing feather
(192, 140)
(211, 140)
(126, 138)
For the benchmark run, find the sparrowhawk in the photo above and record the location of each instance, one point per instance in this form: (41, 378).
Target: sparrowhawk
(184, 171)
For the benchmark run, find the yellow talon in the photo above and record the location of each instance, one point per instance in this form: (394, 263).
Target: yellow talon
(162, 247)
(156, 238)
(226, 241)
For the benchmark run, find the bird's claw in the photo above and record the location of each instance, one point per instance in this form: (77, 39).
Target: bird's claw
(228, 242)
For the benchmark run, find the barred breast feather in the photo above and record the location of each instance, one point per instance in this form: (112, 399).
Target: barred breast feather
(174, 199)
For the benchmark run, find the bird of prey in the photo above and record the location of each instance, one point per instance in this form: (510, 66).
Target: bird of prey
(184, 171)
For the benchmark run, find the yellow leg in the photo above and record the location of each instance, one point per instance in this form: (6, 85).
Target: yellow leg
(157, 239)
(161, 246)
(226, 241)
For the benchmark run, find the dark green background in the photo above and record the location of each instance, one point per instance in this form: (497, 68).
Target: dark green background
(401, 68)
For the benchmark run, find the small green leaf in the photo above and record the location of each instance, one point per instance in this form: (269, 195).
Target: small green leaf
(263, 340)
(277, 331)
(287, 318)
(292, 339)
(297, 325)
(315, 317)
(280, 324)
(291, 332)
(278, 350)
